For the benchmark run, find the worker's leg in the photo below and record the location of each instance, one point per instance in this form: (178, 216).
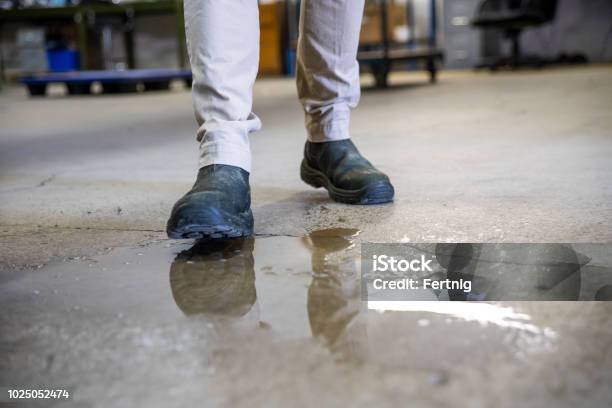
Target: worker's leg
(223, 45)
(328, 87)
(327, 68)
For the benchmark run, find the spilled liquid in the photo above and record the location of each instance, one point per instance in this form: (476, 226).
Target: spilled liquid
(187, 315)
(217, 279)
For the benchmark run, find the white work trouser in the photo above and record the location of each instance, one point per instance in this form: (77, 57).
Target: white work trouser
(223, 45)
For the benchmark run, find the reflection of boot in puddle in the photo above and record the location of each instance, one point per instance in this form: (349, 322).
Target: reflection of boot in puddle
(333, 295)
(215, 278)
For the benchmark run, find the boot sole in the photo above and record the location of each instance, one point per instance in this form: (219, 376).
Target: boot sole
(210, 225)
(379, 193)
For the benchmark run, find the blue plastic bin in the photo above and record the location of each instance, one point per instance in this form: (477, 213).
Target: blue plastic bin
(63, 60)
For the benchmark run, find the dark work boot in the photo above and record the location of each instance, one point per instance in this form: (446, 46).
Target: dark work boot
(218, 205)
(345, 173)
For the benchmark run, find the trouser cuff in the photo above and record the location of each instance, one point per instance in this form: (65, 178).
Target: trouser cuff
(228, 155)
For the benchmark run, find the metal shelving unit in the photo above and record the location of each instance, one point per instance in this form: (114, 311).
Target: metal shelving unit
(381, 59)
(85, 15)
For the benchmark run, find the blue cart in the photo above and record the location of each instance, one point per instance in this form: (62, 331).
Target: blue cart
(80, 82)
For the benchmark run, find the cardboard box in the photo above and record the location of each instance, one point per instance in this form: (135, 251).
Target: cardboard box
(31, 37)
(271, 28)
(398, 29)
(32, 51)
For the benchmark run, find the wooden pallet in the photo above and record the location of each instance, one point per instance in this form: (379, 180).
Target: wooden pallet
(112, 82)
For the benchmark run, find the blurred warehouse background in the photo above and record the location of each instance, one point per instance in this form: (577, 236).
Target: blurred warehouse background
(39, 36)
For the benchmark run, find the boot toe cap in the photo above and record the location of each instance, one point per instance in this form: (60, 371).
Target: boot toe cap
(200, 215)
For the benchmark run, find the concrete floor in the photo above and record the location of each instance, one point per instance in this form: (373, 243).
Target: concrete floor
(86, 184)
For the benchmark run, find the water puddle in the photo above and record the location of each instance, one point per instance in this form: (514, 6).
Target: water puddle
(212, 308)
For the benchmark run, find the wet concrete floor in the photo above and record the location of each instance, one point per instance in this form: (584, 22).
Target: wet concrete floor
(279, 321)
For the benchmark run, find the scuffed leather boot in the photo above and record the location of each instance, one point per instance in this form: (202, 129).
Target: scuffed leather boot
(345, 173)
(217, 206)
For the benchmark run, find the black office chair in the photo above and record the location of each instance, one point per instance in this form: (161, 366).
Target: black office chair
(513, 16)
